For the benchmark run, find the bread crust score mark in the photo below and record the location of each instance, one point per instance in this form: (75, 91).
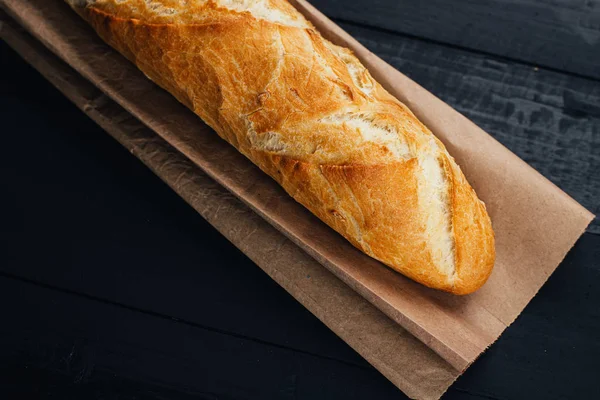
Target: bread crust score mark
(311, 116)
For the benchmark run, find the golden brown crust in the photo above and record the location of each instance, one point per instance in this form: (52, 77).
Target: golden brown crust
(311, 116)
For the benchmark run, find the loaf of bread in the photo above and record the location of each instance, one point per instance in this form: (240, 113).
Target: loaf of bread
(310, 115)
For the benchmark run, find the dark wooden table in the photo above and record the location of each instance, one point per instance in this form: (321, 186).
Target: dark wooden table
(111, 287)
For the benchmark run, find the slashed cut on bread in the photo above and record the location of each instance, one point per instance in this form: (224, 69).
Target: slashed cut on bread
(310, 115)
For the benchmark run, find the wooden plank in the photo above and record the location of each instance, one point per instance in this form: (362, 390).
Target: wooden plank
(549, 119)
(558, 34)
(64, 345)
(551, 350)
(59, 345)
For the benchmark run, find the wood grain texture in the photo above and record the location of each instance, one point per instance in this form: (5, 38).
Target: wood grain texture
(560, 34)
(549, 119)
(109, 351)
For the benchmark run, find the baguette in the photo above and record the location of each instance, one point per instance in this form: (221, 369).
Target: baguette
(310, 115)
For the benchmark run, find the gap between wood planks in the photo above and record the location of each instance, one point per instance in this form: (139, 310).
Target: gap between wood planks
(563, 35)
(342, 21)
(174, 319)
